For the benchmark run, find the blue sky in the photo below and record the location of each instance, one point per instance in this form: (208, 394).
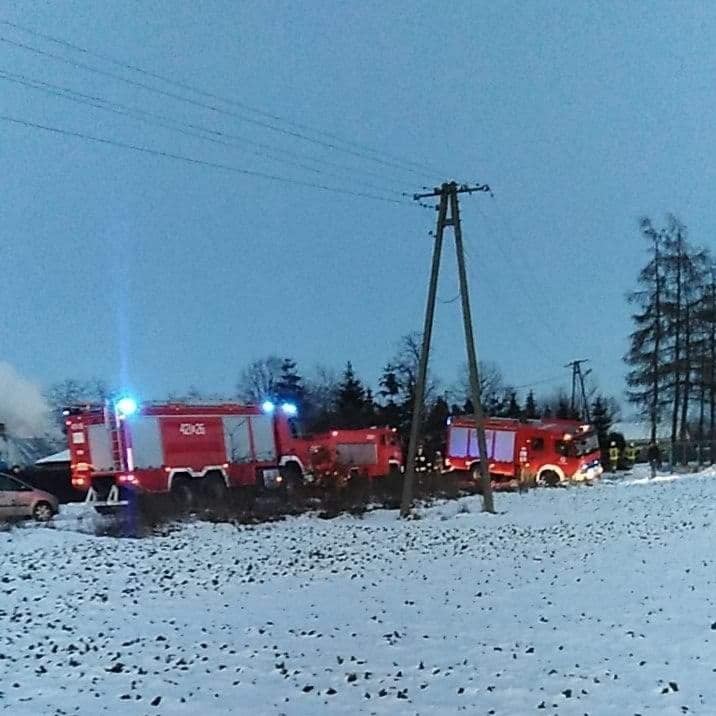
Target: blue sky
(139, 269)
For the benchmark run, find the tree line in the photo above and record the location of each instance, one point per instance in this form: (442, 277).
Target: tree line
(672, 351)
(329, 399)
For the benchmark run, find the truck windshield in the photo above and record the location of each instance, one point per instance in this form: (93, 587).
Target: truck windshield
(579, 446)
(585, 444)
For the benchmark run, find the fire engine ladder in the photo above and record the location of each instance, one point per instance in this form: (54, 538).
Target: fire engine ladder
(115, 438)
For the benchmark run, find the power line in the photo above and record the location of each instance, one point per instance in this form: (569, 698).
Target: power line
(168, 123)
(195, 161)
(538, 382)
(514, 264)
(484, 277)
(213, 96)
(449, 300)
(204, 105)
(203, 128)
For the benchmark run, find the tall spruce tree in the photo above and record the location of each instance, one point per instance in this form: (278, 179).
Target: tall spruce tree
(390, 391)
(513, 409)
(531, 410)
(370, 412)
(289, 386)
(685, 270)
(350, 402)
(435, 422)
(563, 409)
(673, 343)
(602, 421)
(707, 350)
(645, 380)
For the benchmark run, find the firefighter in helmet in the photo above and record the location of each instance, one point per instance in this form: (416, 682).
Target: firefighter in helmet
(438, 462)
(630, 453)
(522, 484)
(613, 456)
(421, 460)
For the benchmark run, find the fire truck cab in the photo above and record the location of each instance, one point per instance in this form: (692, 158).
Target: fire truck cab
(553, 451)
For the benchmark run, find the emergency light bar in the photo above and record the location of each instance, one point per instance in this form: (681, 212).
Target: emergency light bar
(126, 406)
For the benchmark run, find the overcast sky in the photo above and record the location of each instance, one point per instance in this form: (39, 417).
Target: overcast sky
(160, 274)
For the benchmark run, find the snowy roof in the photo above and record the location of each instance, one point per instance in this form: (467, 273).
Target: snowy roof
(23, 451)
(58, 457)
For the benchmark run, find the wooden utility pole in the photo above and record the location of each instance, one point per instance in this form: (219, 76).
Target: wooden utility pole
(578, 376)
(448, 195)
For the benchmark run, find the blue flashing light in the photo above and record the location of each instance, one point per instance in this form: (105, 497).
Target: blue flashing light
(267, 406)
(126, 406)
(289, 409)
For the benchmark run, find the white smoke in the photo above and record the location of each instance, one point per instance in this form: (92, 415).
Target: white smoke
(23, 408)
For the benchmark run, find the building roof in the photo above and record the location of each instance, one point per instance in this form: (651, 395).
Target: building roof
(54, 459)
(23, 451)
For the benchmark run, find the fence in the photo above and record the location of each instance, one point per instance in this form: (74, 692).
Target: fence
(699, 453)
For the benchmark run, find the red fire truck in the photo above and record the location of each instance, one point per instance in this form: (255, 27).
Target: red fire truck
(554, 451)
(121, 447)
(371, 452)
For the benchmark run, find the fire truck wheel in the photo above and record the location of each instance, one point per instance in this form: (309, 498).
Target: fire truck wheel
(394, 471)
(292, 481)
(476, 478)
(245, 497)
(550, 478)
(182, 492)
(215, 487)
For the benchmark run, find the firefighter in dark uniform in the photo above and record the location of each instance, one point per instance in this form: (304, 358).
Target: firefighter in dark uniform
(438, 462)
(421, 461)
(613, 456)
(630, 454)
(523, 485)
(654, 457)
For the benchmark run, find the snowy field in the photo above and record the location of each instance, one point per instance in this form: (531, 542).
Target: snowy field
(582, 601)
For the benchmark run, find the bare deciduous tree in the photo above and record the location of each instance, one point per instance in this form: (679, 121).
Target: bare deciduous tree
(258, 380)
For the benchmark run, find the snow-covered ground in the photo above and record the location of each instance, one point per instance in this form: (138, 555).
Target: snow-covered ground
(582, 601)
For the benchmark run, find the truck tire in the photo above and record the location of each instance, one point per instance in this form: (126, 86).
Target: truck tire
(244, 498)
(182, 492)
(476, 477)
(550, 478)
(214, 487)
(292, 487)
